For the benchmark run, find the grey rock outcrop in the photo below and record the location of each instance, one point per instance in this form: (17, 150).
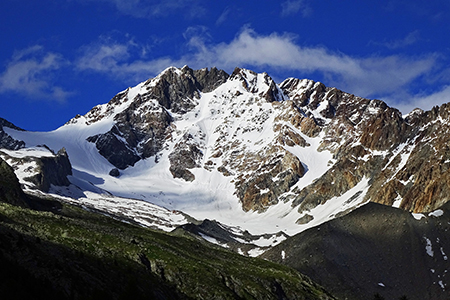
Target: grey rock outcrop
(114, 150)
(186, 155)
(209, 80)
(114, 172)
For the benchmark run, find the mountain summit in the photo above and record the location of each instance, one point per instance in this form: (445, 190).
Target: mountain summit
(229, 147)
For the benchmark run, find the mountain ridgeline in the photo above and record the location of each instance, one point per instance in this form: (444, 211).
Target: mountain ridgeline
(344, 189)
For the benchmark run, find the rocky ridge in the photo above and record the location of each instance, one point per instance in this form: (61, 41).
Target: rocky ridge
(141, 128)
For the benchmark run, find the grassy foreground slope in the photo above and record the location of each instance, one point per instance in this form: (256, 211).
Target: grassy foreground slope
(50, 250)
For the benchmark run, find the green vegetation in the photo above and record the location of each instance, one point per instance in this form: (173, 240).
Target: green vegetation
(62, 251)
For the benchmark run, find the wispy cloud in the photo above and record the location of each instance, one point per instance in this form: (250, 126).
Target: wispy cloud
(406, 102)
(113, 59)
(146, 9)
(29, 73)
(224, 16)
(410, 39)
(293, 7)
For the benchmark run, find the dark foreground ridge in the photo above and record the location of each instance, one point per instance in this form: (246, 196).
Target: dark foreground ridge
(59, 251)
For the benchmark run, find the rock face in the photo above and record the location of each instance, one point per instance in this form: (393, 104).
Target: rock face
(374, 250)
(186, 155)
(52, 171)
(273, 175)
(114, 172)
(139, 132)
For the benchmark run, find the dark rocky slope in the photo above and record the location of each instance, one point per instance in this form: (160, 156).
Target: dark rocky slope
(374, 250)
(50, 250)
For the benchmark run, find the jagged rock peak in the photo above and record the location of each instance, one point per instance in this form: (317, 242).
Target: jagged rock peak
(6, 141)
(142, 115)
(5, 123)
(209, 80)
(173, 88)
(261, 84)
(205, 80)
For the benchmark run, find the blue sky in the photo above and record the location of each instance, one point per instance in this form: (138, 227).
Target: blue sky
(59, 58)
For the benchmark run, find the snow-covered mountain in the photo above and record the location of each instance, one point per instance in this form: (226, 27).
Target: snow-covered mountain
(240, 149)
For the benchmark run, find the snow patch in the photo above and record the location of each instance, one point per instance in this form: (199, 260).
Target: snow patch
(397, 202)
(418, 216)
(443, 254)
(271, 241)
(212, 240)
(141, 212)
(255, 252)
(429, 248)
(353, 198)
(436, 213)
(29, 152)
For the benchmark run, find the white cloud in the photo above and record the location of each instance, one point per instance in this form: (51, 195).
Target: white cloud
(292, 7)
(363, 76)
(29, 73)
(103, 57)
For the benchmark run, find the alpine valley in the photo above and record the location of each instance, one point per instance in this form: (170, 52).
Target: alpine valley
(343, 189)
